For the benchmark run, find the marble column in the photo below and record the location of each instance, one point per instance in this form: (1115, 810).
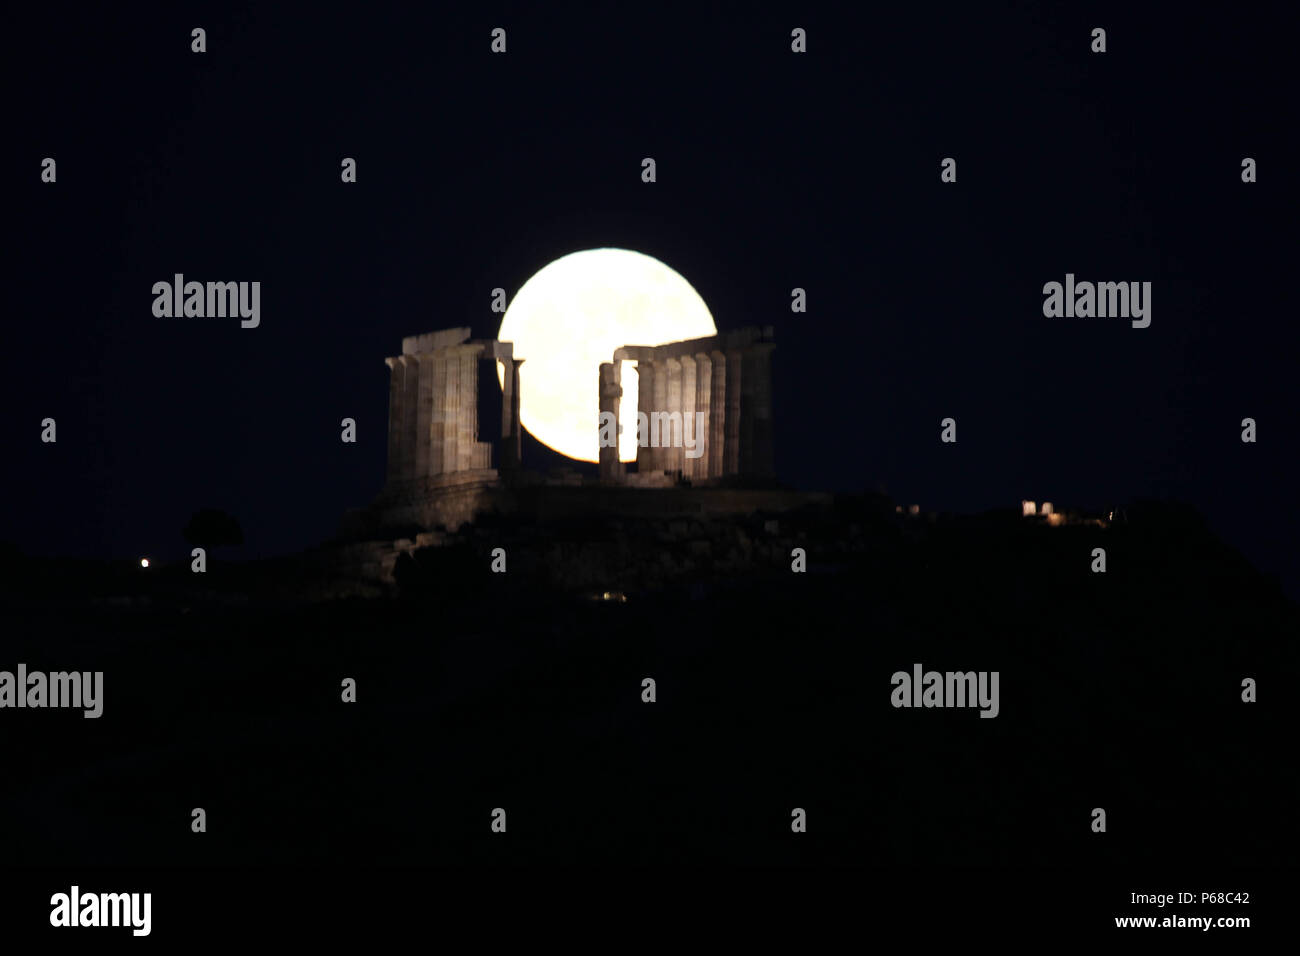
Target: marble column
(425, 362)
(732, 452)
(718, 415)
(610, 391)
(747, 377)
(467, 412)
(437, 367)
(703, 403)
(516, 426)
(758, 373)
(506, 460)
(410, 407)
(659, 460)
(687, 405)
(670, 435)
(645, 372)
(451, 393)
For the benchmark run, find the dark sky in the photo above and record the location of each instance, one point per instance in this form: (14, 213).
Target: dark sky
(774, 171)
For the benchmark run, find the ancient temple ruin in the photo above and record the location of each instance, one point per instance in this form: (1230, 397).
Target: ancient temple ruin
(435, 401)
(704, 409)
(712, 396)
(455, 439)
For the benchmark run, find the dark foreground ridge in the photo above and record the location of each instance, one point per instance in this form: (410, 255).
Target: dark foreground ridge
(523, 690)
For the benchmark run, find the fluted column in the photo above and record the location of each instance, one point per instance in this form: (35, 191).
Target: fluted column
(451, 392)
(425, 363)
(610, 391)
(732, 452)
(659, 460)
(507, 458)
(718, 415)
(645, 372)
(410, 409)
(516, 443)
(747, 411)
(687, 406)
(467, 410)
(437, 368)
(758, 375)
(670, 437)
(703, 403)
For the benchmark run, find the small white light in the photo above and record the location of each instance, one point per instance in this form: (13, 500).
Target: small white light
(144, 562)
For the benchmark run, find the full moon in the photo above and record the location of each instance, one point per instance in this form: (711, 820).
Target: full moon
(570, 317)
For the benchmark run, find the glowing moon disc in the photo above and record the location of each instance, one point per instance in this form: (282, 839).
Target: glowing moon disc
(570, 317)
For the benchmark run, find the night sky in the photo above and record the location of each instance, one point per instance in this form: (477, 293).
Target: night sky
(775, 170)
